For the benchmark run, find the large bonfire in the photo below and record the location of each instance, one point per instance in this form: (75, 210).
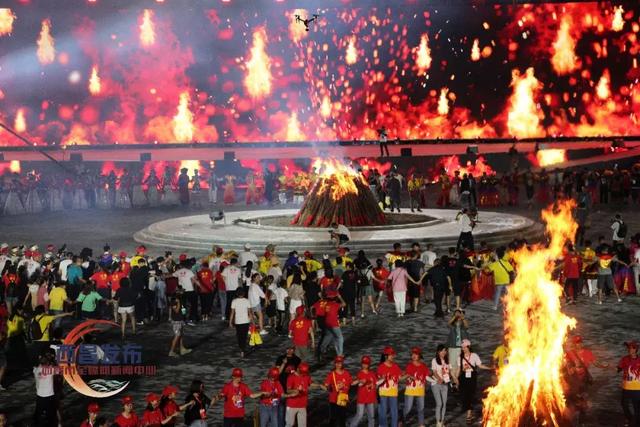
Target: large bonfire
(529, 390)
(340, 195)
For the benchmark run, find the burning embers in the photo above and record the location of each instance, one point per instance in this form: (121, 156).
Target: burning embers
(341, 195)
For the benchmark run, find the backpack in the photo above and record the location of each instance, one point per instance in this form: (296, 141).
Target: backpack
(35, 332)
(622, 230)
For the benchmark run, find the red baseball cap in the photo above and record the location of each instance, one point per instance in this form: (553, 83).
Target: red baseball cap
(339, 359)
(389, 351)
(141, 248)
(416, 350)
(93, 408)
(307, 254)
(236, 373)
(152, 397)
(366, 360)
(127, 400)
(219, 250)
(182, 257)
(632, 344)
(342, 251)
(303, 368)
(274, 373)
(299, 310)
(123, 254)
(169, 389)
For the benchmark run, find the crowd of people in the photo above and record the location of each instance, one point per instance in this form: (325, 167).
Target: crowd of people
(34, 192)
(308, 299)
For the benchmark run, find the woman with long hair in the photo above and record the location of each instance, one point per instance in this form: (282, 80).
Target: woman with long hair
(126, 297)
(441, 371)
(470, 363)
(196, 414)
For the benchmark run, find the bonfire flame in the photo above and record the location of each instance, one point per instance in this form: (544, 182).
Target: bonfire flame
(336, 178)
(475, 50)
(94, 81)
(423, 55)
(602, 89)
(20, 124)
(293, 129)
(6, 21)
(352, 53)
(147, 29)
(551, 156)
(564, 58)
(258, 78)
(46, 48)
(523, 120)
(183, 127)
(443, 102)
(530, 385)
(618, 20)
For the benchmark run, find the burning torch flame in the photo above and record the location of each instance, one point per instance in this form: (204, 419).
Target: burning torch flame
(6, 21)
(352, 53)
(94, 81)
(46, 48)
(183, 127)
(564, 58)
(618, 20)
(20, 124)
(530, 385)
(147, 29)
(602, 89)
(423, 55)
(523, 120)
(475, 50)
(293, 129)
(443, 102)
(258, 78)
(551, 156)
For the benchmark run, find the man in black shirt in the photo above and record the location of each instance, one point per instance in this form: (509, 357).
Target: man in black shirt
(415, 268)
(441, 283)
(139, 277)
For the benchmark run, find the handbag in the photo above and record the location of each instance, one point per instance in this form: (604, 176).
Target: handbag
(512, 274)
(343, 398)
(254, 336)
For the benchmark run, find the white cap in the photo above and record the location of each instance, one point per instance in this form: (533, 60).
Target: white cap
(4, 245)
(33, 248)
(247, 246)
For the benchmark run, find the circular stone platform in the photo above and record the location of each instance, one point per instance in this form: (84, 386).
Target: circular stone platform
(196, 233)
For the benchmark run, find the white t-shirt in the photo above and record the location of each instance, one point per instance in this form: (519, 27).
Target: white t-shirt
(255, 293)
(443, 371)
(184, 276)
(428, 258)
(44, 380)
(615, 227)
(636, 256)
(474, 360)
(31, 265)
(344, 230)
(231, 275)
(276, 272)
(64, 264)
(247, 256)
(281, 296)
(3, 261)
(241, 307)
(465, 223)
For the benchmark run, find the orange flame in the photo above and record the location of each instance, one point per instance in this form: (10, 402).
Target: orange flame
(339, 179)
(191, 165)
(452, 164)
(602, 89)
(564, 59)
(475, 50)
(551, 156)
(6, 21)
(523, 120)
(325, 107)
(14, 166)
(443, 102)
(94, 82)
(147, 29)
(618, 20)
(352, 53)
(183, 126)
(423, 55)
(258, 78)
(294, 133)
(536, 328)
(20, 123)
(46, 47)
(297, 31)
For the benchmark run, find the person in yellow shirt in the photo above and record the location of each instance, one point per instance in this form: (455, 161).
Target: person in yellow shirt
(502, 270)
(501, 355)
(589, 271)
(45, 321)
(57, 298)
(311, 263)
(140, 252)
(415, 185)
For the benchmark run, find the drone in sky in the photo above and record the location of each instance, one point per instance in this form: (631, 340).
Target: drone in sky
(307, 21)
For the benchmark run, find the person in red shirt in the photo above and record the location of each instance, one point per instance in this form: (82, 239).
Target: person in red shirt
(153, 416)
(125, 267)
(298, 383)
(338, 382)
(366, 397)
(170, 409)
(629, 365)
(329, 284)
(301, 332)
(319, 312)
(93, 409)
(272, 392)
(332, 323)
(388, 373)
(127, 417)
(234, 394)
(571, 268)
(101, 281)
(205, 290)
(379, 282)
(415, 375)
